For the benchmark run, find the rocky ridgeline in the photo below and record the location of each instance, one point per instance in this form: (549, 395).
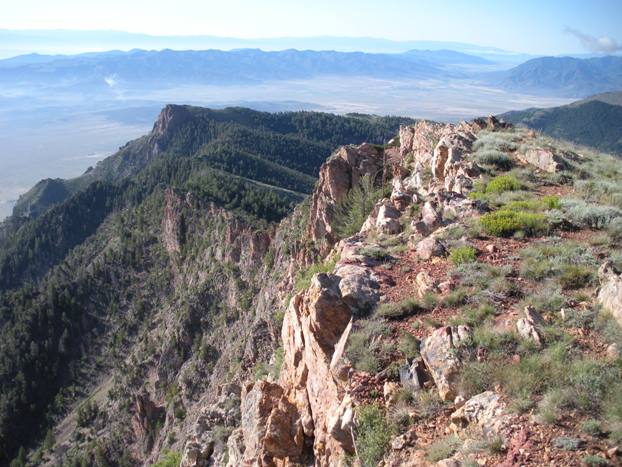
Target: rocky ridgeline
(307, 416)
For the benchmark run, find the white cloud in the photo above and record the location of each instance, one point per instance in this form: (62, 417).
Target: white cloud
(602, 44)
(111, 80)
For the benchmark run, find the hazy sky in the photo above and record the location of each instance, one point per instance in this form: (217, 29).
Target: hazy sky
(533, 26)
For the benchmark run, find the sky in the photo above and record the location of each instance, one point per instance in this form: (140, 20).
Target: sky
(529, 26)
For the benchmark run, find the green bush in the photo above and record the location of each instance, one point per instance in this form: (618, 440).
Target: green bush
(169, 459)
(505, 223)
(303, 278)
(503, 183)
(575, 277)
(408, 345)
(541, 204)
(494, 158)
(352, 211)
(443, 448)
(360, 351)
(373, 434)
(406, 307)
(429, 404)
(462, 254)
(595, 461)
(614, 229)
(594, 216)
(592, 427)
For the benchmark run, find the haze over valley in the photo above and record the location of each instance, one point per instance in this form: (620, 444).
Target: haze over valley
(60, 114)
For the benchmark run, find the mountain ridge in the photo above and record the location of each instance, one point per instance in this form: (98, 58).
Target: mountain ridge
(594, 121)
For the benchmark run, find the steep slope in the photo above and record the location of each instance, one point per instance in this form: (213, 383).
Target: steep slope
(594, 122)
(566, 76)
(165, 236)
(459, 326)
(440, 301)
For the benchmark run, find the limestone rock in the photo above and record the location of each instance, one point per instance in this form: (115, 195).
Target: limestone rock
(424, 283)
(610, 293)
(387, 220)
(485, 410)
(359, 286)
(544, 159)
(414, 375)
(430, 247)
(439, 354)
(529, 326)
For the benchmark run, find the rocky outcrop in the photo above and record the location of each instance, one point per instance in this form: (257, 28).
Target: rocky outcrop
(439, 352)
(530, 327)
(308, 414)
(449, 165)
(172, 222)
(271, 426)
(543, 158)
(359, 287)
(430, 247)
(420, 140)
(342, 171)
(610, 293)
(485, 410)
(313, 327)
(387, 220)
(147, 414)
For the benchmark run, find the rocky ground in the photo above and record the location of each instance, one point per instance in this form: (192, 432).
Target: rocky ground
(466, 323)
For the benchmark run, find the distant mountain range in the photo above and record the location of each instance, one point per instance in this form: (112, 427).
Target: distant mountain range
(564, 76)
(147, 69)
(19, 42)
(595, 121)
(173, 68)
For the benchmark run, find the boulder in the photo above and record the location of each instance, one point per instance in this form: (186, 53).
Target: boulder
(359, 287)
(610, 293)
(486, 410)
(441, 359)
(414, 375)
(424, 283)
(430, 214)
(543, 158)
(430, 247)
(529, 327)
(387, 221)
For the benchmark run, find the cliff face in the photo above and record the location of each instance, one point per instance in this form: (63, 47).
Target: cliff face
(152, 287)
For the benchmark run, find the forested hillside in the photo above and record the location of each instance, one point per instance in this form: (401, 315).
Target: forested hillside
(164, 224)
(594, 122)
